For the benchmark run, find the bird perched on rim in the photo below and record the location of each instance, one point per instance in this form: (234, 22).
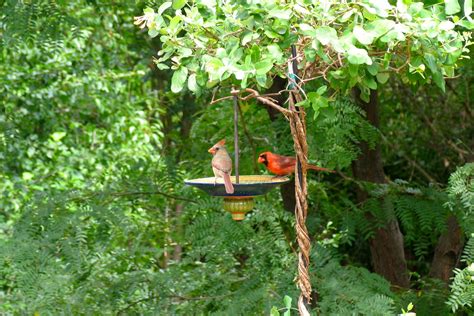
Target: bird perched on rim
(222, 164)
(283, 165)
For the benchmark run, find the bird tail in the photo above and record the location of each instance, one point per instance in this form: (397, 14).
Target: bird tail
(313, 167)
(229, 188)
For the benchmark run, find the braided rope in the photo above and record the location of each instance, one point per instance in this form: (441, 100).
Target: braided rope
(298, 131)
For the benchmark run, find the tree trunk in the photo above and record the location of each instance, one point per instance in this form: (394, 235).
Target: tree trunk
(386, 247)
(447, 251)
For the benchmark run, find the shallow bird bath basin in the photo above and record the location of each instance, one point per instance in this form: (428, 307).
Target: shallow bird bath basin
(242, 200)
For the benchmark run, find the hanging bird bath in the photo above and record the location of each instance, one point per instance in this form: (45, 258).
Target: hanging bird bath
(242, 200)
(245, 187)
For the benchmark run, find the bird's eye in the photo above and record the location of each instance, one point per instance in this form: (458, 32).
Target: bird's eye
(217, 148)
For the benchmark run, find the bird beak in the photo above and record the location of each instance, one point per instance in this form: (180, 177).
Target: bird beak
(260, 160)
(211, 150)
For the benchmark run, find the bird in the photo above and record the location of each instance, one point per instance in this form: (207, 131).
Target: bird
(283, 165)
(222, 165)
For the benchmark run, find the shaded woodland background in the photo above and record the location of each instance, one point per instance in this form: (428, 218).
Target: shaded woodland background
(95, 218)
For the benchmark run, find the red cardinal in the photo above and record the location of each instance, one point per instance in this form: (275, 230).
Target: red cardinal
(283, 165)
(222, 165)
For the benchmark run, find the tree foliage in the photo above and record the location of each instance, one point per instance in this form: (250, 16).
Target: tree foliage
(356, 43)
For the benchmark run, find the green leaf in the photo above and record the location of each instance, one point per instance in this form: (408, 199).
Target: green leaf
(178, 4)
(373, 69)
(380, 27)
(364, 37)
(439, 80)
(57, 136)
(431, 61)
(275, 52)
(178, 79)
(358, 56)
(467, 8)
(321, 90)
(280, 14)
(261, 80)
(27, 176)
(382, 77)
(274, 311)
(370, 83)
(153, 32)
(162, 66)
(346, 16)
(307, 29)
(163, 7)
(192, 84)
(247, 38)
(264, 66)
(215, 68)
(326, 34)
(287, 300)
(452, 7)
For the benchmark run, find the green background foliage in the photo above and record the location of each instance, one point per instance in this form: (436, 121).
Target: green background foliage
(95, 146)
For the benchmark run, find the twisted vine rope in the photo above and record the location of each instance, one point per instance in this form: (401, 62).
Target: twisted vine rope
(298, 131)
(297, 120)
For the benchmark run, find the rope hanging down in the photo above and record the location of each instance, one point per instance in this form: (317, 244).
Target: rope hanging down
(298, 131)
(297, 120)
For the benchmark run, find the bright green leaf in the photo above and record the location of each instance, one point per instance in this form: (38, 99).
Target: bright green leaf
(274, 311)
(178, 79)
(247, 38)
(27, 176)
(264, 66)
(358, 56)
(57, 136)
(178, 4)
(321, 90)
(364, 37)
(192, 84)
(452, 6)
(467, 8)
(280, 14)
(307, 29)
(287, 300)
(275, 52)
(325, 35)
(163, 7)
(380, 27)
(153, 32)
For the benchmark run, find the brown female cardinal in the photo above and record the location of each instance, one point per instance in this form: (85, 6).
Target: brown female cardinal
(222, 165)
(283, 165)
